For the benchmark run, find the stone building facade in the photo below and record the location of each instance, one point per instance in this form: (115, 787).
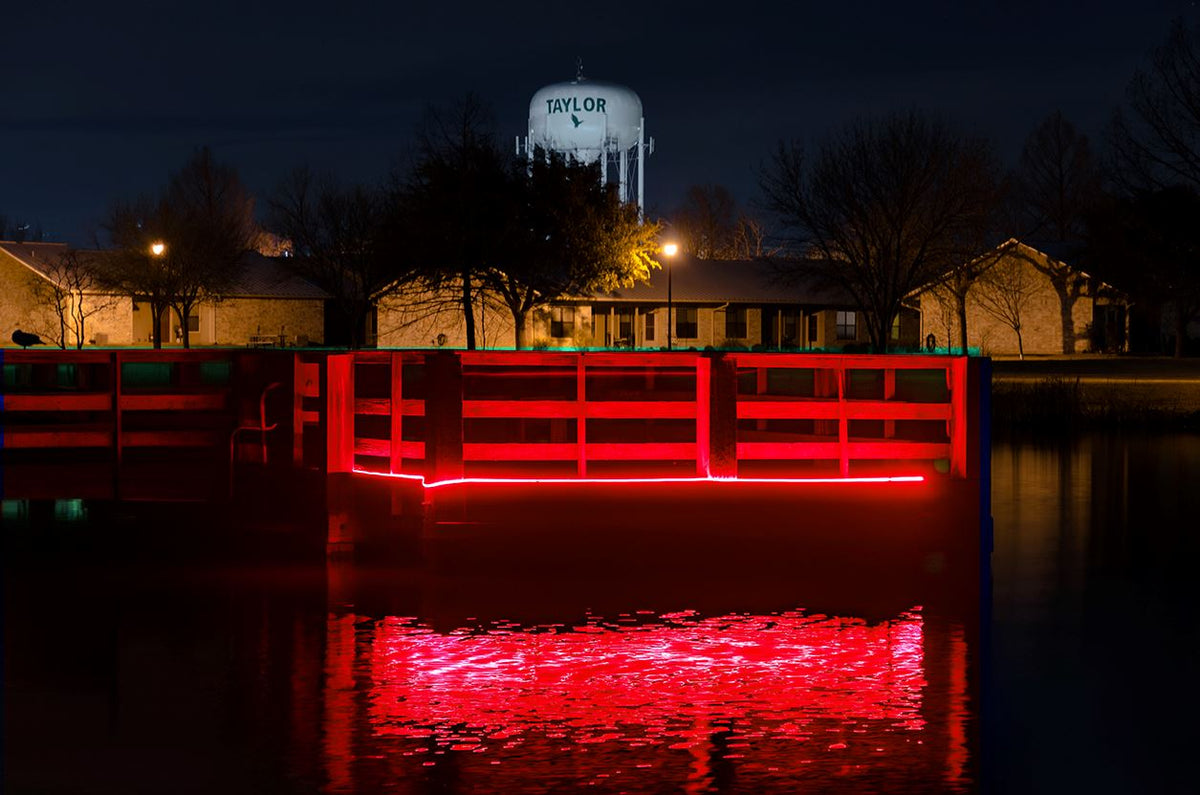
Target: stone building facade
(1057, 309)
(267, 304)
(713, 303)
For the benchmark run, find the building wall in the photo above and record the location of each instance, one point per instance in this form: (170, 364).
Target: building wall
(1040, 315)
(112, 324)
(419, 318)
(21, 307)
(236, 320)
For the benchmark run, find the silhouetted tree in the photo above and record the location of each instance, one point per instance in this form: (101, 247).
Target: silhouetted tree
(569, 235)
(334, 233)
(1156, 142)
(1057, 181)
(204, 218)
(453, 204)
(1055, 186)
(1150, 245)
(129, 264)
(209, 226)
(705, 225)
(888, 205)
(710, 225)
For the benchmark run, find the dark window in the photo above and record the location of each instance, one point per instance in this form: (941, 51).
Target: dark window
(624, 326)
(686, 325)
(193, 322)
(735, 323)
(787, 323)
(847, 325)
(650, 325)
(812, 329)
(562, 321)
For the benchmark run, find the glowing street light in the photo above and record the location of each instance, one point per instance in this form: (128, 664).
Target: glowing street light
(670, 250)
(157, 248)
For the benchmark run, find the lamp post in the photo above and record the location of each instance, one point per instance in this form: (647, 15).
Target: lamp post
(157, 250)
(670, 250)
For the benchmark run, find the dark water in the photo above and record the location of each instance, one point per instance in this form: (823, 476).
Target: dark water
(124, 675)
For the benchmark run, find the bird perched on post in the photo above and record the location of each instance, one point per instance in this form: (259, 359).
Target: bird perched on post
(25, 339)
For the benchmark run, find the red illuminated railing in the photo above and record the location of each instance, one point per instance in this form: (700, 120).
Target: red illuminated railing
(443, 415)
(115, 399)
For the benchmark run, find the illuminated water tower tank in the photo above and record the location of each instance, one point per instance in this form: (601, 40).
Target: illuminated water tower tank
(593, 122)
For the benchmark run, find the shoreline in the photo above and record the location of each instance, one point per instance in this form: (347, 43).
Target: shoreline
(1066, 394)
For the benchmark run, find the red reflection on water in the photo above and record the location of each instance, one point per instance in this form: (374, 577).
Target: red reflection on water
(643, 683)
(648, 702)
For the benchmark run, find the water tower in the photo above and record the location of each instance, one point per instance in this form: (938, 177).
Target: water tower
(593, 122)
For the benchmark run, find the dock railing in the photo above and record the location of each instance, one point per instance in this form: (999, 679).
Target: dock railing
(449, 414)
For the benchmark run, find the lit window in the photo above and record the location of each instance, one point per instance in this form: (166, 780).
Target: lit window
(735, 323)
(686, 323)
(847, 325)
(650, 325)
(562, 321)
(896, 327)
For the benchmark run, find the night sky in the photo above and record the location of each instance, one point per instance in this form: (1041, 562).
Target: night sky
(103, 100)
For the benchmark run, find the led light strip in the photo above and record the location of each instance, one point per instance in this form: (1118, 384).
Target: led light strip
(549, 481)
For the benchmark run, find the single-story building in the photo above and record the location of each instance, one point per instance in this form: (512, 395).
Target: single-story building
(1026, 301)
(717, 303)
(266, 303)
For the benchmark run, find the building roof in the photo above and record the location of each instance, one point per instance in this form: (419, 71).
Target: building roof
(760, 281)
(258, 276)
(38, 257)
(269, 277)
(1024, 249)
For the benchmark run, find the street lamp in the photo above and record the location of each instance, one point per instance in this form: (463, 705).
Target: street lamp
(157, 248)
(670, 250)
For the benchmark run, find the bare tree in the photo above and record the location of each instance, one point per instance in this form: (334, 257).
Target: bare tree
(1157, 142)
(887, 206)
(181, 248)
(1004, 291)
(208, 225)
(453, 210)
(706, 223)
(69, 287)
(1057, 181)
(334, 233)
(130, 266)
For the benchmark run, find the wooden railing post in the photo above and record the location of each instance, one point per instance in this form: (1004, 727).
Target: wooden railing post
(843, 423)
(703, 416)
(722, 417)
(959, 426)
(395, 451)
(339, 412)
(443, 416)
(298, 390)
(581, 420)
(889, 393)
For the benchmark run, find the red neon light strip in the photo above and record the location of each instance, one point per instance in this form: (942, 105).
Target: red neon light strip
(551, 481)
